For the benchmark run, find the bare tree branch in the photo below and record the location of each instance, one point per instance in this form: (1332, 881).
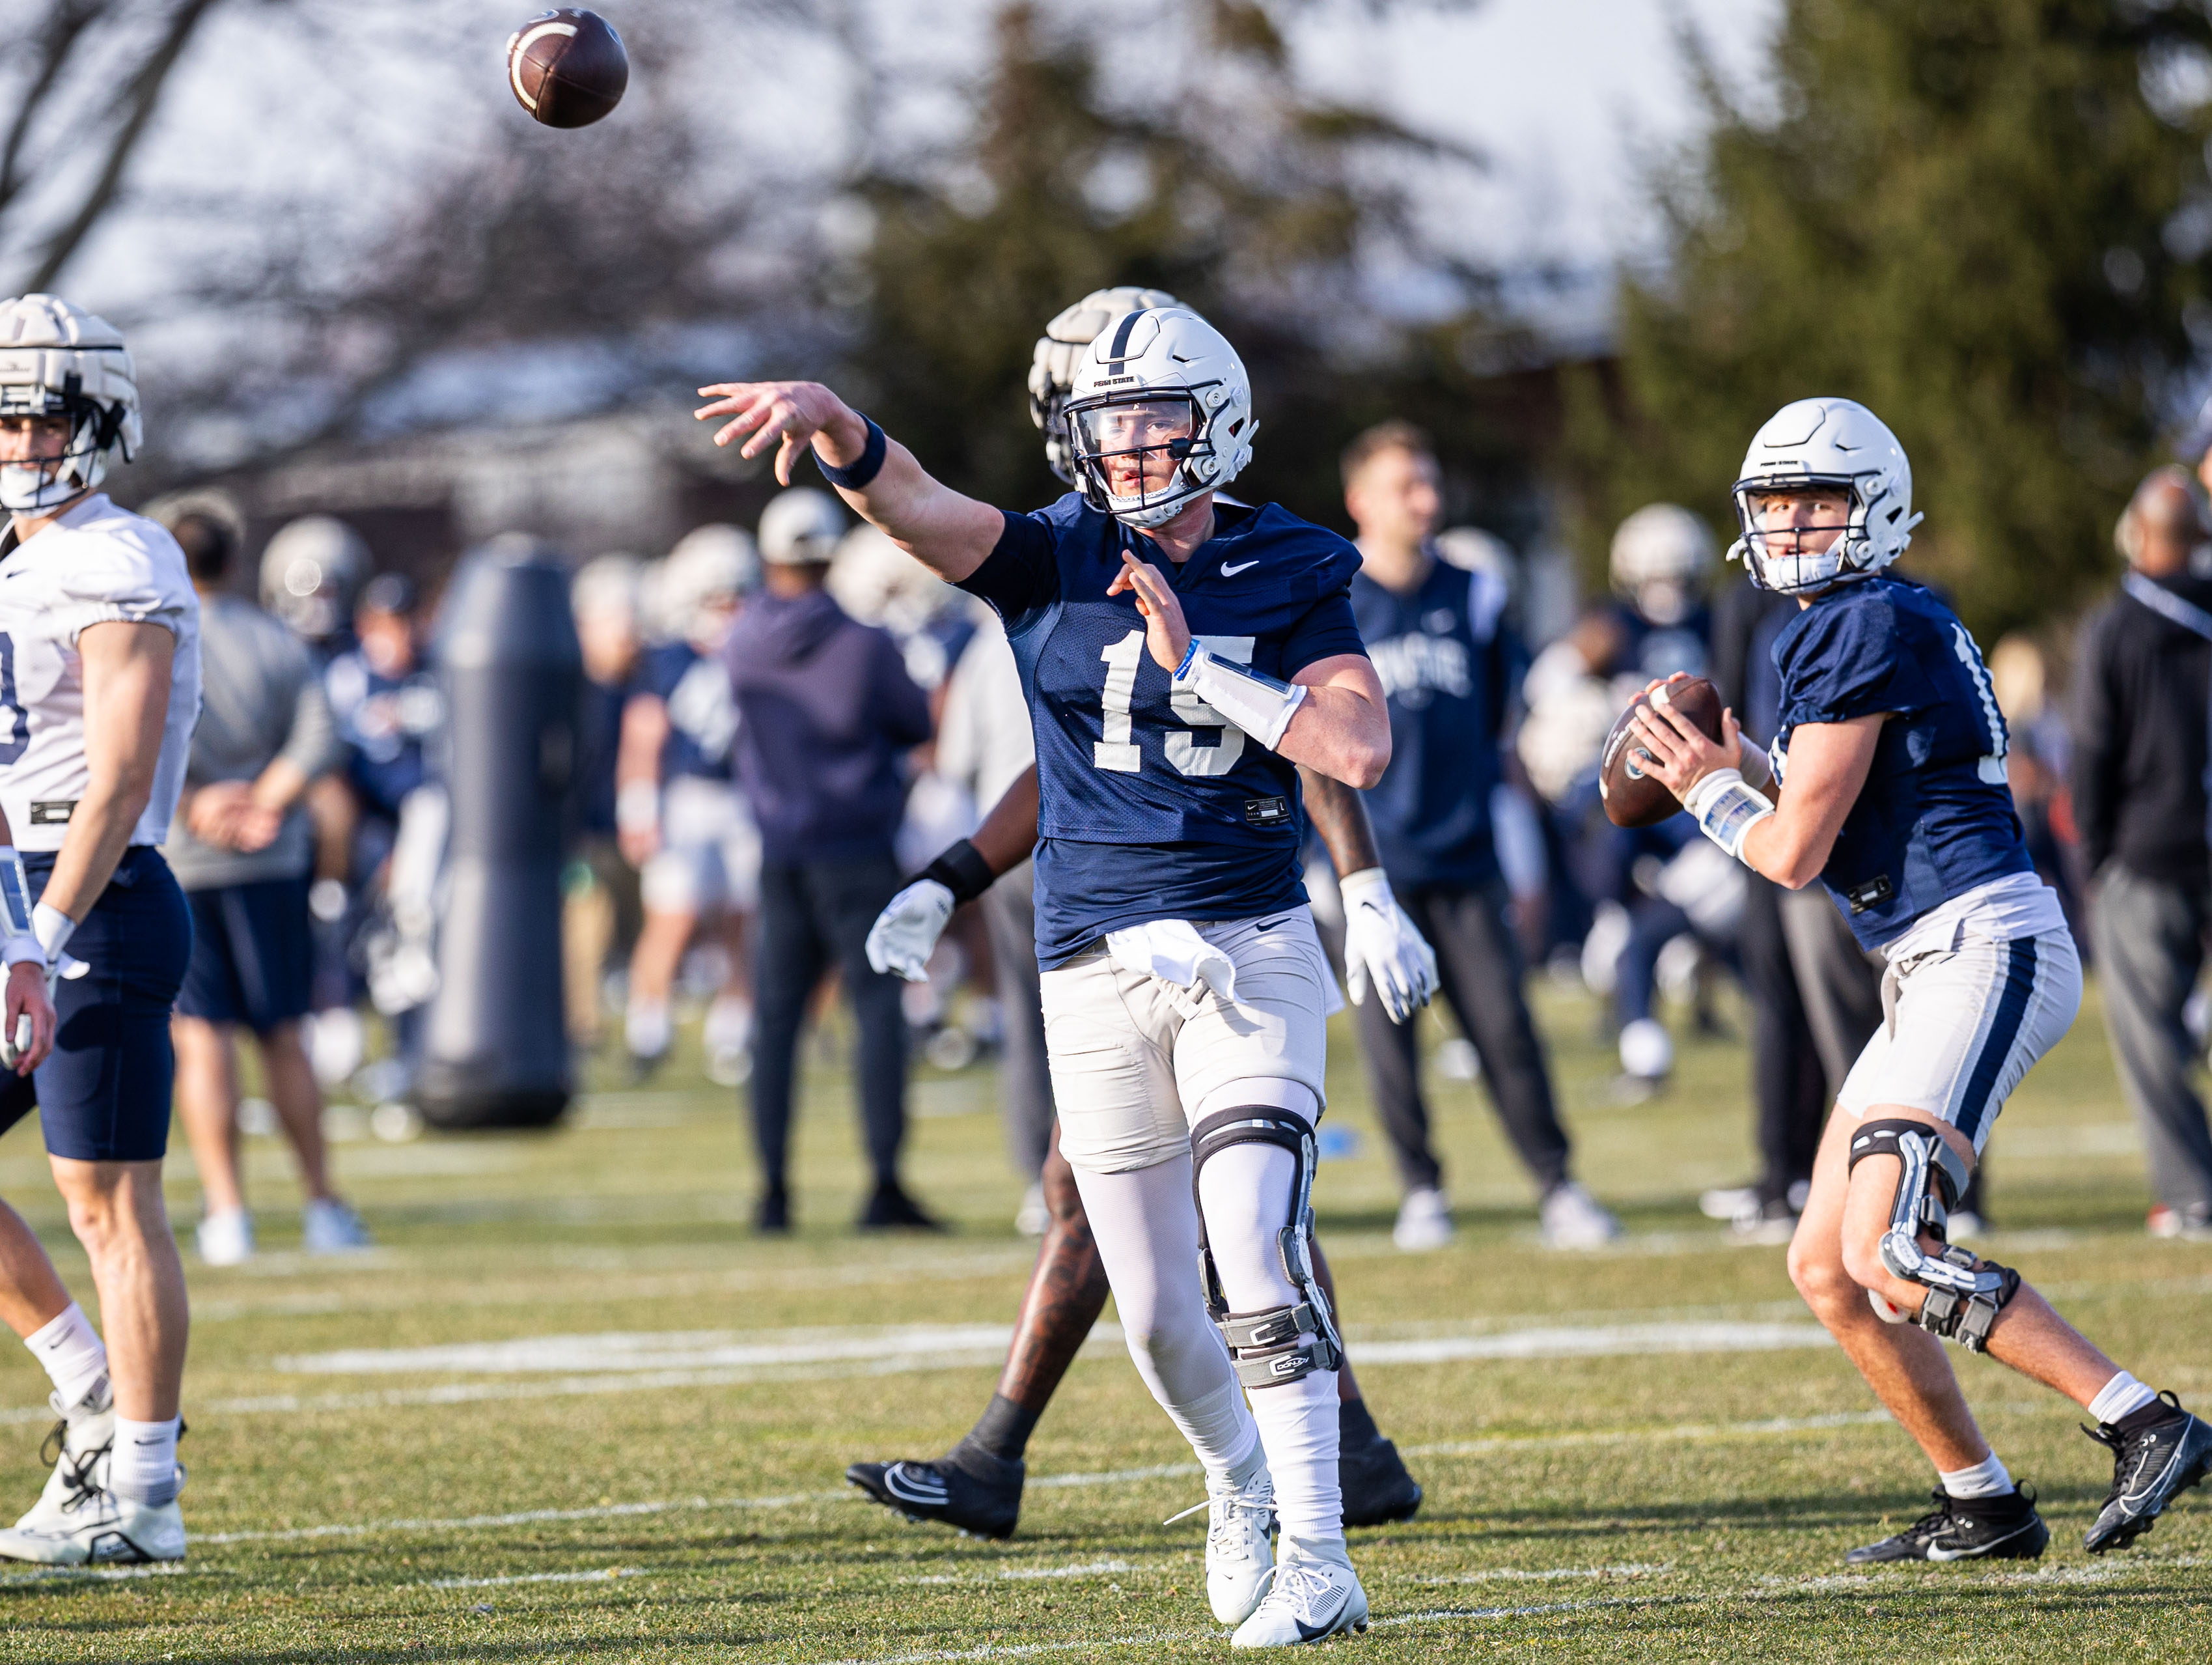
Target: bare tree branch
(65, 25)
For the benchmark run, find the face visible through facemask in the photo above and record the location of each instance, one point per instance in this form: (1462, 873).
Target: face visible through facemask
(1138, 446)
(31, 453)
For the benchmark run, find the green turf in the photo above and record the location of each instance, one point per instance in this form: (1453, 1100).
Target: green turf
(1681, 1505)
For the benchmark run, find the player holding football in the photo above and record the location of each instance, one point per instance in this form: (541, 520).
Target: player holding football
(1887, 782)
(977, 1485)
(99, 686)
(1180, 656)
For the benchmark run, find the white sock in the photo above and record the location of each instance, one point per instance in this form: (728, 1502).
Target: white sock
(1986, 1479)
(1298, 1425)
(145, 1466)
(2118, 1398)
(648, 1027)
(74, 1356)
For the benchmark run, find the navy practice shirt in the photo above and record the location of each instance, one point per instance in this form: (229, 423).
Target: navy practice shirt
(1935, 819)
(1152, 807)
(1446, 665)
(703, 714)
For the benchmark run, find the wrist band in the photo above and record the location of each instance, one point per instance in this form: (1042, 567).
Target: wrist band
(1258, 705)
(1752, 764)
(53, 929)
(960, 869)
(637, 807)
(855, 476)
(1726, 809)
(22, 940)
(1369, 884)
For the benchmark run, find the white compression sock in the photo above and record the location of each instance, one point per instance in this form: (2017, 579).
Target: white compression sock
(1148, 1234)
(1246, 1194)
(1986, 1479)
(2118, 1397)
(72, 1352)
(648, 1028)
(144, 1463)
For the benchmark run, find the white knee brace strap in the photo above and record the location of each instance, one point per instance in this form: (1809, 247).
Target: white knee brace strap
(1265, 1346)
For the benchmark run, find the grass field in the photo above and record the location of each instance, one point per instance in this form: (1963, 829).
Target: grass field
(572, 1410)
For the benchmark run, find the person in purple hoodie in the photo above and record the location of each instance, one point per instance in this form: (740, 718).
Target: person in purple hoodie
(826, 714)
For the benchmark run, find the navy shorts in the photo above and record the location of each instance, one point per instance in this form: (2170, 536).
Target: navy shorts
(103, 1094)
(253, 955)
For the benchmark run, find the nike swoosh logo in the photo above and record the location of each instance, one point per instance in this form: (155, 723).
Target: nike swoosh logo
(924, 1490)
(1938, 1552)
(1231, 572)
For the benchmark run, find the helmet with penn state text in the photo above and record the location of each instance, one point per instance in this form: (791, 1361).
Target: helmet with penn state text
(1059, 352)
(1823, 444)
(1160, 414)
(59, 360)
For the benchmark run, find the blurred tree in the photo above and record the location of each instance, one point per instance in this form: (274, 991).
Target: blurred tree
(81, 85)
(1987, 219)
(1169, 145)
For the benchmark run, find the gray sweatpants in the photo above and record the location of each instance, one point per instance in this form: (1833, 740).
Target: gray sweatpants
(1024, 1080)
(2149, 936)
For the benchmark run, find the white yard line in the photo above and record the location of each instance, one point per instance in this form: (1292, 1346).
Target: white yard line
(598, 1576)
(1080, 1570)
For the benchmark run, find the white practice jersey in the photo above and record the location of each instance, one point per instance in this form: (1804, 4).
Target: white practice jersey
(96, 564)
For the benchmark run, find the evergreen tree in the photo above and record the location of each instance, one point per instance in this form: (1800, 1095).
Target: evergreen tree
(1986, 219)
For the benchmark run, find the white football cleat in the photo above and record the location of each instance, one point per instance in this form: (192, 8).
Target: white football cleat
(1424, 1221)
(328, 1226)
(81, 1441)
(1573, 1219)
(1316, 1594)
(1240, 1554)
(226, 1239)
(98, 1527)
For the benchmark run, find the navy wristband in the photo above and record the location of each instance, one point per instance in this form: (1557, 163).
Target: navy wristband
(962, 870)
(855, 476)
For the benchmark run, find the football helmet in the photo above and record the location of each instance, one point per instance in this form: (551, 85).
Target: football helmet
(310, 573)
(1661, 555)
(1826, 442)
(1060, 351)
(59, 360)
(800, 527)
(1161, 388)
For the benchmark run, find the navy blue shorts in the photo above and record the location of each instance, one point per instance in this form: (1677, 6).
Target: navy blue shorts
(253, 955)
(103, 1094)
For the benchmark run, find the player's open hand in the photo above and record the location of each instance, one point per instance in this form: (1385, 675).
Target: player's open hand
(1165, 633)
(1680, 755)
(788, 415)
(26, 1031)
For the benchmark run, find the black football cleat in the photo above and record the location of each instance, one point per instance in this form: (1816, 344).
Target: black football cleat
(2152, 1466)
(1376, 1488)
(2005, 1528)
(947, 1492)
(890, 1208)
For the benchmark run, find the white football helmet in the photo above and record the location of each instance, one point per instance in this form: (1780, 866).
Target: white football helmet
(1163, 380)
(1835, 443)
(1661, 555)
(310, 573)
(800, 527)
(59, 360)
(1059, 352)
(606, 588)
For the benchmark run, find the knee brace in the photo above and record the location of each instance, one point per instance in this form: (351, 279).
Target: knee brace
(1265, 1346)
(1965, 1293)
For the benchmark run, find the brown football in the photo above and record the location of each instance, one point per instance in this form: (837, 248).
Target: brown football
(1634, 798)
(568, 68)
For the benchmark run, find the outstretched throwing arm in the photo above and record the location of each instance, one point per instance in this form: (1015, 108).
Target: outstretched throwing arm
(949, 534)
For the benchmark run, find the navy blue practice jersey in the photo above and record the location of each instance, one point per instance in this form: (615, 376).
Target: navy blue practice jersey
(1151, 805)
(1935, 819)
(1446, 664)
(702, 713)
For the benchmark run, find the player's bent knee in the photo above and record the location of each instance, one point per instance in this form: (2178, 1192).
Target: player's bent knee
(1274, 1345)
(1962, 1295)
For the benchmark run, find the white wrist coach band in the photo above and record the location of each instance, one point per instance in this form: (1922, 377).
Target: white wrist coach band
(1369, 884)
(53, 929)
(20, 942)
(1726, 809)
(1259, 705)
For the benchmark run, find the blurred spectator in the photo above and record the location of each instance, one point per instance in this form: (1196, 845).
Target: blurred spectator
(601, 910)
(390, 710)
(1448, 665)
(2036, 757)
(827, 713)
(242, 851)
(2143, 677)
(682, 824)
(983, 746)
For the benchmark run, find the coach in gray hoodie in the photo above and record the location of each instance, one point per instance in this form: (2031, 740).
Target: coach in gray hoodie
(826, 716)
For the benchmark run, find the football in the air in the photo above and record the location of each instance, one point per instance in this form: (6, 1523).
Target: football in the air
(1634, 798)
(567, 67)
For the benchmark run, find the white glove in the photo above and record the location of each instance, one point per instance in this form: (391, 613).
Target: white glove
(1380, 943)
(905, 933)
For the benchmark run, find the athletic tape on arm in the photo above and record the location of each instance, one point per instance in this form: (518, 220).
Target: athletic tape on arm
(1726, 809)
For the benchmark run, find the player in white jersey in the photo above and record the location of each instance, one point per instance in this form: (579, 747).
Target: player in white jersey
(99, 686)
